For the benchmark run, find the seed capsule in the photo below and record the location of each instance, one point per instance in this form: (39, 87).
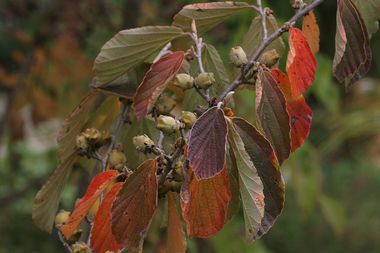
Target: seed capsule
(269, 58)
(238, 56)
(80, 247)
(168, 124)
(205, 80)
(188, 118)
(142, 142)
(165, 105)
(81, 142)
(184, 81)
(61, 218)
(92, 134)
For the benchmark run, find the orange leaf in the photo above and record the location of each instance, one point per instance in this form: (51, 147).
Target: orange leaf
(155, 82)
(300, 114)
(300, 64)
(311, 31)
(205, 204)
(176, 239)
(96, 187)
(134, 206)
(102, 239)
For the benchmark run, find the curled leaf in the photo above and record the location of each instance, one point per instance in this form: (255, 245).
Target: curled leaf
(205, 204)
(353, 53)
(98, 184)
(207, 145)
(155, 82)
(272, 114)
(102, 239)
(301, 64)
(134, 206)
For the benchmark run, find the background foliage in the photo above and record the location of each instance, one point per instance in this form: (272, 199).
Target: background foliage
(46, 55)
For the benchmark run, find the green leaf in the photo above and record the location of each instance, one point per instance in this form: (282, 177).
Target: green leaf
(251, 187)
(214, 63)
(370, 12)
(272, 114)
(129, 48)
(233, 176)
(207, 15)
(263, 158)
(255, 35)
(353, 56)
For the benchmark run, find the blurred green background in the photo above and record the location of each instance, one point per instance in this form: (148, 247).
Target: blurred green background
(46, 54)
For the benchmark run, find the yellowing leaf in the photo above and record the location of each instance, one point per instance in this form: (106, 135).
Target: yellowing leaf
(130, 47)
(311, 31)
(251, 187)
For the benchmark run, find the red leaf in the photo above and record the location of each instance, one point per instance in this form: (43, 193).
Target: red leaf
(155, 82)
(102, 238)
(96, 187)
(272, 114)
(301, 63)
(205, 204)
(207, 145)
(311, 31)
(176, 239)
(353, 54)
(134, 206)
(300, 114)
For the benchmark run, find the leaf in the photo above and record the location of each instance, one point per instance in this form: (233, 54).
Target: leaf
(214, 63)
(272, 114)
(370, 12)
(300, 114)
(102, 239)
(254, 36)
(310, 30)
(301, 64)
(98, 184)
(251, 187)
(155, 82)
(176, 239)
(353, 54)
(205, 204)
(47, 199)
(134, 206)
(207, 15)
(233, 176)
(207, 145)
(130, 47)
(263, 158)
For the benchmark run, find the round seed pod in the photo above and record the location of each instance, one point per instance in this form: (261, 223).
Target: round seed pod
(238, 57)
(168, 124)
(183, 81)
(205, 80)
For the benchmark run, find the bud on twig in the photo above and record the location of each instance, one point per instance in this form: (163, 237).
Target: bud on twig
(165, 105)
(61, 218)
(238, 56)
(143, 142)
(184, 81)
(117, 158)
(80, 247)
(188, 118)
(269, 58)
(205, 80)
(168, 124)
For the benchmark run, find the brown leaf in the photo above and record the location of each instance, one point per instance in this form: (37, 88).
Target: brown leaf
(155, 82)
(134, 207)
(353, 53)
(176, 239)
(207, 145)
(205, 204)
(272, 114)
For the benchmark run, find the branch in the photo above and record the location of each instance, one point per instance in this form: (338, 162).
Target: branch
(264, 44)
(263, 19)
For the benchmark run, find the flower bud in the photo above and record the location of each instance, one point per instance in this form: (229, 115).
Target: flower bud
(117, 158)
(92, 134)
(188, 118)
(61, 218)
(80, 247)
(184, 81)
(238, 56)
(142, 142)
(168, 124)
(165, 105)
(205, 80)
(269, 58)
(81, 142)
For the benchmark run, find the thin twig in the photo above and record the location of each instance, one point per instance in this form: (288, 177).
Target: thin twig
(160, 141)
(263, 19)
(63, 241)
(264, 44)
(116, 133)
